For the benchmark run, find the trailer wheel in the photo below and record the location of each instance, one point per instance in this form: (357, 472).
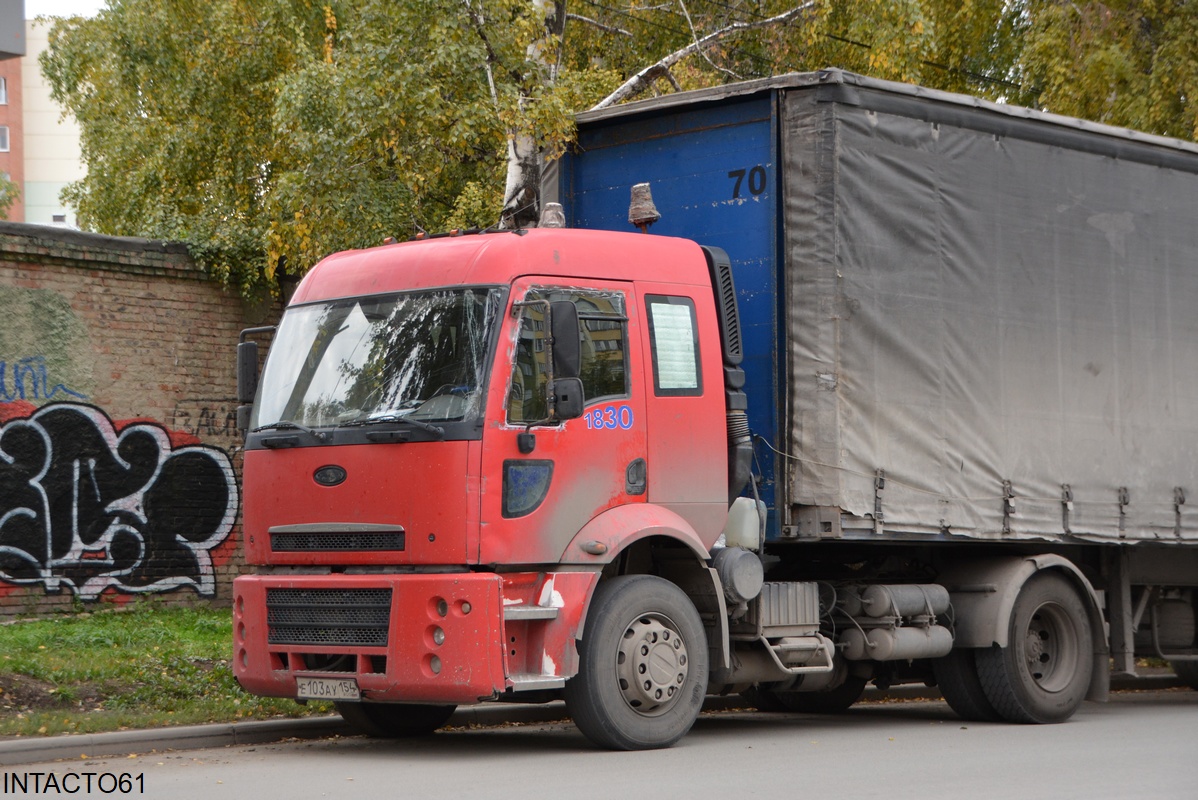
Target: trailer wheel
(394, 720)
(643, 663)
(1187, 671)
(957, 676)
(1044, 673)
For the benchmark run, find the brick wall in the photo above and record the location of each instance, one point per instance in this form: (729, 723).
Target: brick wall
(119, 454)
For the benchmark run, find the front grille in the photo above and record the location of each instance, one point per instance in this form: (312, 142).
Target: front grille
(328, 616)
(318, 542)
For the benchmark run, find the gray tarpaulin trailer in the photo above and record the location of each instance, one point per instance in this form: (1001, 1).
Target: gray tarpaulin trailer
(972, 355)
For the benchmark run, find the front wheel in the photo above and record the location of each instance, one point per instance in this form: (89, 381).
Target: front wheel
(643, 665)
(1044, 672)
(394, 720)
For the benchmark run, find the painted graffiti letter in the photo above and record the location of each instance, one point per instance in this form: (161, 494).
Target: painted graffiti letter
(86, 507)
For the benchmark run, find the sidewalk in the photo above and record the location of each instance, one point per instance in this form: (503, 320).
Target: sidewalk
(195, 737)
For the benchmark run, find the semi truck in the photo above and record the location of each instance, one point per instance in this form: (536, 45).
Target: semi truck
(871, 384)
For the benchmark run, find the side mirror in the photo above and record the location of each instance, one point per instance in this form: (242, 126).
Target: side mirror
(247, 374)
(567, 398)
(247, 371)
(567, 350)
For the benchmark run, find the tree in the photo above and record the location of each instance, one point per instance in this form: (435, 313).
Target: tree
(388, 133)
(268, 133)
(10, 192)
(1131, 63)
(170, 99)
(661, 68)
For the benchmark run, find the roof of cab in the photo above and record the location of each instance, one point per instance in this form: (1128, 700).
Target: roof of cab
(497, 258)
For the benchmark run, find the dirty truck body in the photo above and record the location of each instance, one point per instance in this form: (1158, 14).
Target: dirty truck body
(901, 387)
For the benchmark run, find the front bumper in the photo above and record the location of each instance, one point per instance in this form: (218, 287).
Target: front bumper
(435, 638)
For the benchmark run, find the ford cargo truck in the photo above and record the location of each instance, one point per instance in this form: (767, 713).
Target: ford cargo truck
(891, 386)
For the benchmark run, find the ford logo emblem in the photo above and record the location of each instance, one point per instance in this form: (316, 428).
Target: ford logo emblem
(330, 475)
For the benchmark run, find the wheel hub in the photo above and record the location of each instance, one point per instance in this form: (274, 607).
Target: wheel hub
(1050, 648)
(651, 664)
(1035, 648)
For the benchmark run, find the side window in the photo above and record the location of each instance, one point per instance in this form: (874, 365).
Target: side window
(604, 367)
(674, 342)
(602, 333)
(530, 370)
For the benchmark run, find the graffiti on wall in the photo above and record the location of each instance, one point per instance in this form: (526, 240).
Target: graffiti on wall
(87, 504)
(45, 349)
(209, 418)
(28, 378)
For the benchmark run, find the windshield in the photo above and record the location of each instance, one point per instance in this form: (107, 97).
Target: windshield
(421, 356)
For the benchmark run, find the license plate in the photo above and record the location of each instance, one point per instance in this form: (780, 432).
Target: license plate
(327, 689)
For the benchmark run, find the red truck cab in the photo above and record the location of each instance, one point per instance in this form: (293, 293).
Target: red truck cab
(428, 528)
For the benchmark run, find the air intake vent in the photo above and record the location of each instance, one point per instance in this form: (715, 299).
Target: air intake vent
(336, 537)
(720, 267)
(322, 542)
(328, 616)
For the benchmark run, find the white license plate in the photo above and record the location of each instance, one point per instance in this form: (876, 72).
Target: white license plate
(327, 689)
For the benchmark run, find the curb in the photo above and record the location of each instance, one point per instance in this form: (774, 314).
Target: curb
(198, 737)
(76, 746)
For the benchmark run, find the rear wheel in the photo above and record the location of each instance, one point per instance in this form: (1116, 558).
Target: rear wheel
(394, 720)
(1044, 672)
(643, 664)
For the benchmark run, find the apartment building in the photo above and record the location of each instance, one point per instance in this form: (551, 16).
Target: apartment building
(39, 149)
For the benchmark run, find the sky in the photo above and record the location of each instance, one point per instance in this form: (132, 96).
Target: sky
(62, 8)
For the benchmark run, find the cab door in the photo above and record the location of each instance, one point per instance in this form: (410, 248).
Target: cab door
(543, 481)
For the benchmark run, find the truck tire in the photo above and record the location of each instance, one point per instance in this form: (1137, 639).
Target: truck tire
(1187, 671)
(1042, 676)
(394, 720)
(957, 676)
(643, 663)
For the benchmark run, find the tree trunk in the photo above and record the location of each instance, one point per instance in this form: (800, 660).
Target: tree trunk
(644, 79)
(522, 190)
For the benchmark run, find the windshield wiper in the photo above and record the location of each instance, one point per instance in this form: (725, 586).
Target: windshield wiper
(288, 425)
(435, 430)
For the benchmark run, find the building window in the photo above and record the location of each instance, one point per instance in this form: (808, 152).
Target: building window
(3, 138)
(3, 91)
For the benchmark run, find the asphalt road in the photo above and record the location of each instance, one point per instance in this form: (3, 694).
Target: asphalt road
(1140, 745)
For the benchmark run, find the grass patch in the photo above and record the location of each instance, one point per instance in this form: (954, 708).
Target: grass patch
(112, 670)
